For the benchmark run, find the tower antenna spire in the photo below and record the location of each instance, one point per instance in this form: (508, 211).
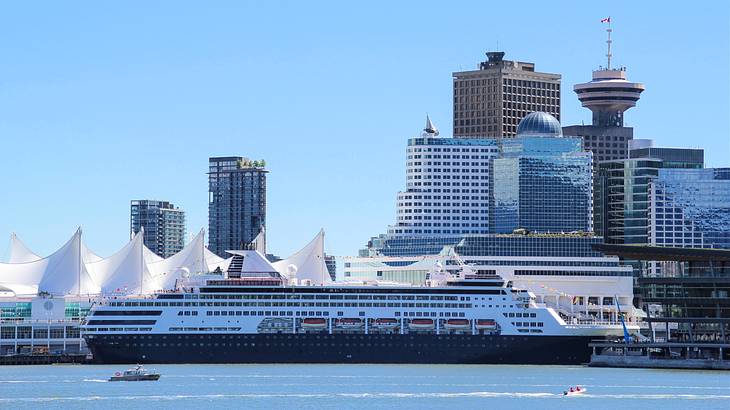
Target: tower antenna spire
(608, 42)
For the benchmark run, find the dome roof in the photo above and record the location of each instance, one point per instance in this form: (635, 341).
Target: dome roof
(540, 124)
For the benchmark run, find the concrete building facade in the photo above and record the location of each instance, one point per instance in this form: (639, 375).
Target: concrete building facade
(491, 101)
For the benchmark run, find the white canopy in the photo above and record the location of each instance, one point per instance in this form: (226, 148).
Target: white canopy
(19, 253)
(193, 258)
(62, 273)
(309, 262)
(75, 270)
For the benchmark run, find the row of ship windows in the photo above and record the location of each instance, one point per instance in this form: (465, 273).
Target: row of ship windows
(317, 314)
(294, 296)
(333, 304)
(519, 314)
(299, 304)
(527, 324)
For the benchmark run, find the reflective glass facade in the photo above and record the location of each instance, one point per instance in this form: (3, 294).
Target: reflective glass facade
(690, 208)
(236, 203)
(543, 185)
(163, 223)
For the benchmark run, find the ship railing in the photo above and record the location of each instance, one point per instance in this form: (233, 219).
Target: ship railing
(25, 321)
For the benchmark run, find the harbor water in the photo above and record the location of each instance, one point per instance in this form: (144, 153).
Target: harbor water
(362, 387)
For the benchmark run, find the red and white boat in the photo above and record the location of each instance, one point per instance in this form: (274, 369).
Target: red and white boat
(421, 324)
(486, 324)
(314, 323)
(457, 324)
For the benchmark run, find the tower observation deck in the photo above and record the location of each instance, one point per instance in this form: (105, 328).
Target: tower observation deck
(608, 95)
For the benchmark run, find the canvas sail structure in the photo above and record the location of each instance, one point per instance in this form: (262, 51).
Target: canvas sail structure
(309, 262)
(62, 273)
(194, 258)
(19, 253)
(126, 271)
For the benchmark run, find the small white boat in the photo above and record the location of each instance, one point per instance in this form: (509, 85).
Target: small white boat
(574, 391)
(135, 374)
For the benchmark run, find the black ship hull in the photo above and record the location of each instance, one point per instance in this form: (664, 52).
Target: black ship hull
(338, 348)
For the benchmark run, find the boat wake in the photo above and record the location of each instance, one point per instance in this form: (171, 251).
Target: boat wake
(389, 395)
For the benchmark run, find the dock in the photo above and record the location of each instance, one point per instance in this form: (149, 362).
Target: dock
(701, 356)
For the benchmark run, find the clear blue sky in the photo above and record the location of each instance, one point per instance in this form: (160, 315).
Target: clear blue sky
(104, 102)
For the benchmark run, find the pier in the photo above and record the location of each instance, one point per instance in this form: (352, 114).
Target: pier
(708, 356)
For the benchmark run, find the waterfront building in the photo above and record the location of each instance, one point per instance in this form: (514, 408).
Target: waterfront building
(690, 208)
(163, 225)
(236, 202)
(490, 101)
(447, 186)
(688, 299)
(542, 181)
(662, 196)
(562, 270)
(42, 325)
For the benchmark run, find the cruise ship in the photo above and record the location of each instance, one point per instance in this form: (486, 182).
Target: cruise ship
(258, 315)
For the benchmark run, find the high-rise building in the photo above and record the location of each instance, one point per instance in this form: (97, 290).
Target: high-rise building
(690, 208)
(542, 181)
(163, 224)
(447, 186)
(658, 189)
(490, 101)
(608, 95)
(236, 202)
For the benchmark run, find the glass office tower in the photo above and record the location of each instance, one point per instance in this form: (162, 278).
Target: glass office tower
(690, 208)
(542, 182)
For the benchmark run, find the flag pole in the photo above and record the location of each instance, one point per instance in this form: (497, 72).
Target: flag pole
(608, 30)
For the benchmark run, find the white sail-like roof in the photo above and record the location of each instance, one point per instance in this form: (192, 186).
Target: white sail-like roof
(309, 262)
(19, 253)
(194, 258)
(126, 271)
(61, 273)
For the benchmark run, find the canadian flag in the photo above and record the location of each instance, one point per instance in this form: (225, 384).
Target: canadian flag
(606, 20)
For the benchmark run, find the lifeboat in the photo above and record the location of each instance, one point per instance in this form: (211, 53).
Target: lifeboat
(486, 324)
(385, 323)
(457, 324)
(421, 324)
(314, 323)
(347, 323)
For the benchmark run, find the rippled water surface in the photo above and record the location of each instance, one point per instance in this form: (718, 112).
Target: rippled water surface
(362, 387)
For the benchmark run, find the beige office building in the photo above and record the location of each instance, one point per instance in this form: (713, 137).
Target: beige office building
(491, 101)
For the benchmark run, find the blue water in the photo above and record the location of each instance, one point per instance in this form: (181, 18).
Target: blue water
(362, 387)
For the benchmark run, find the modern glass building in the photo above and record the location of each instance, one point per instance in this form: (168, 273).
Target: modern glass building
(690, 208)
(648, 199)
(163, 223)
(542, 182)
(236, 202)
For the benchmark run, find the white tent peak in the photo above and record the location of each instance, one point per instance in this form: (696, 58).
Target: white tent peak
(309, 262)
(19, 253)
